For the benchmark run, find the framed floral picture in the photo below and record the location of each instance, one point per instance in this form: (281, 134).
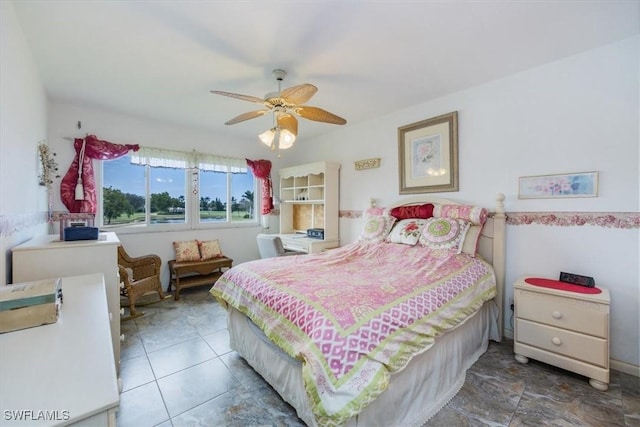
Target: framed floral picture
(579, 184)
(428, 155)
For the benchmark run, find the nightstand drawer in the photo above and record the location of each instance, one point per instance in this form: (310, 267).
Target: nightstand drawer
(563, 312)
(577, 346)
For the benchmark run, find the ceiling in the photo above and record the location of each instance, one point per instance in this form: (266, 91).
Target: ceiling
(160, 59)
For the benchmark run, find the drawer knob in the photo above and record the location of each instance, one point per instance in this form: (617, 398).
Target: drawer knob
(556, 315)
(556, 341)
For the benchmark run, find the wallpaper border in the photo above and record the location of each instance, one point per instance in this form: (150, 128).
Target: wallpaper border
(10, 224)
(622, 220)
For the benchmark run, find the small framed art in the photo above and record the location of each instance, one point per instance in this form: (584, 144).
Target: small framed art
(579, 184)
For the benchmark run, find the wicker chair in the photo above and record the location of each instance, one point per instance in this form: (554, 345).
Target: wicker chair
(140, 276)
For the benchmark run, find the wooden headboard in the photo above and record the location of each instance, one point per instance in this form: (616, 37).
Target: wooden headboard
(491, 245)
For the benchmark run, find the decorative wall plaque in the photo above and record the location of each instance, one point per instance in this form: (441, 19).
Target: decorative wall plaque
(367, 164)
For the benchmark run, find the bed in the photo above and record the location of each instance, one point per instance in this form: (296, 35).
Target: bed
(324, 330)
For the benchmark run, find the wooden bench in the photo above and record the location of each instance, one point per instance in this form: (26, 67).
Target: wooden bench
(196, 273)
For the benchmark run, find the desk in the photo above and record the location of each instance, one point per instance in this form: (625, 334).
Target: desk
(301, 243)
(64, 370)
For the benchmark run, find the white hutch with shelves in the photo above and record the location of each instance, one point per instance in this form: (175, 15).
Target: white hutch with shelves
(309, 198)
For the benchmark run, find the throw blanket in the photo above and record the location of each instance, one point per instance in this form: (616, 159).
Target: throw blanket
(356, 314)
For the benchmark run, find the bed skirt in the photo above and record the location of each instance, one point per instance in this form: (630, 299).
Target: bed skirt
(414, 395)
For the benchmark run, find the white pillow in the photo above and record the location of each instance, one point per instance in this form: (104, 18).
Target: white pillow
(407, 231)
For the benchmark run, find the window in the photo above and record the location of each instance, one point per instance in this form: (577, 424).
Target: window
(158, 188)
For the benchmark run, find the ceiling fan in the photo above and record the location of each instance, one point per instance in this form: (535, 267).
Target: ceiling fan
(285, 105)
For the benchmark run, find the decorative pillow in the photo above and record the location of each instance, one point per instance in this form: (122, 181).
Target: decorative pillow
(187, 251)
(376, 228)
(470, 245)
(407, 231)
(415, 211)
(209, 249)
(474, 214)
(444, 233)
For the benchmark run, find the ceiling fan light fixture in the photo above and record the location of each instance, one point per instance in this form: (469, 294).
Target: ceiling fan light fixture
(286, 139)
(267, 137)
(284, 106)
(283, 137)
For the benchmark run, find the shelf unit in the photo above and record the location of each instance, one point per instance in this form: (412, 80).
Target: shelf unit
(309, 198)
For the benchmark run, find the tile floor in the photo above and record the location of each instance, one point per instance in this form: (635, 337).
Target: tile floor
(177, 370)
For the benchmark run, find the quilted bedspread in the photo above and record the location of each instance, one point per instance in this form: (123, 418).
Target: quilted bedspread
(356, 314)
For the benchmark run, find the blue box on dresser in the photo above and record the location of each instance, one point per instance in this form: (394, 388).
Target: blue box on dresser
(80, 233)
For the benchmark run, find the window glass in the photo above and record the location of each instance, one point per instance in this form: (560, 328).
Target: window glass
(243, 203)
(213, 196)
(123, 192)
(138, 194)
(167, 189)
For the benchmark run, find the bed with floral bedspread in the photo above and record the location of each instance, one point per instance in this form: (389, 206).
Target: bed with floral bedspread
(357, 314)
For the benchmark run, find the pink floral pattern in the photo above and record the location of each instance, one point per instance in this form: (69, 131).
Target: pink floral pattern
(624, 220)
(406, 231)
(474, 214)
(187, 251)
(209, 249)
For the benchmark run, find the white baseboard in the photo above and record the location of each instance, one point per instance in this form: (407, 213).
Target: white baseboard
(624, 367)
(615, 365)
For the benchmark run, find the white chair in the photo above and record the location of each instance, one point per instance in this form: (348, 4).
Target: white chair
(270, 245)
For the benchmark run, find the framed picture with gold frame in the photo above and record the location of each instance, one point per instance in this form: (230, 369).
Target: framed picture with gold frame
(428, 155)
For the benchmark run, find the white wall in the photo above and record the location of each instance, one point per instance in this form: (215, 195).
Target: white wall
(23, 203)
(577, 114)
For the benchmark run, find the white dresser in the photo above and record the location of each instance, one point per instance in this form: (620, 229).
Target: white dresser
(45, 257)
(62, 373)
(566, 329)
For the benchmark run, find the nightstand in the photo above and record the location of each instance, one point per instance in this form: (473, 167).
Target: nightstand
(563, 328)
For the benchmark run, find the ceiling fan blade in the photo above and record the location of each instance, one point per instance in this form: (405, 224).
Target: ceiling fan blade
(246, 116)
(299, 94)
(238, 96)
(288, 122)
(318, 115)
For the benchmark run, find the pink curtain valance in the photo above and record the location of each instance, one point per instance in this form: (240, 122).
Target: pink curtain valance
(78, 187)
